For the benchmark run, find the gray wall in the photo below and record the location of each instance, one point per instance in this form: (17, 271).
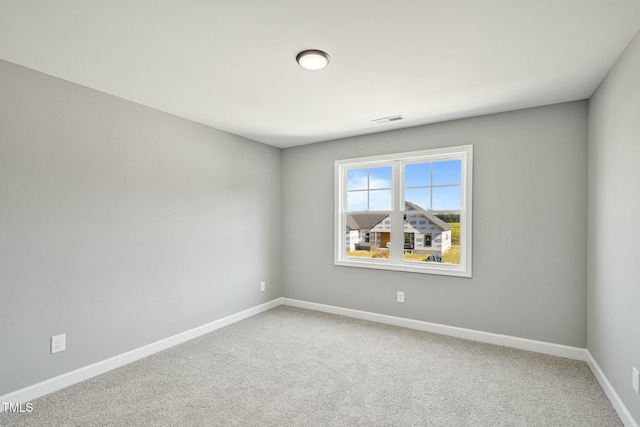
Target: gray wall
(529, 248)
(614, 225)
(121, 225)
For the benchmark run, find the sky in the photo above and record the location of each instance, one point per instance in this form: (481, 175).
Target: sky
(432, 185)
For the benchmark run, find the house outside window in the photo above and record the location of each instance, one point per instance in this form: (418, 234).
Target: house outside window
(420, 201)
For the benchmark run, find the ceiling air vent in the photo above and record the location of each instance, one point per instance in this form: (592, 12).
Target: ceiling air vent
(389, 119)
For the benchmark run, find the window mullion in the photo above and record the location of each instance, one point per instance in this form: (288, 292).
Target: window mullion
(397, 220)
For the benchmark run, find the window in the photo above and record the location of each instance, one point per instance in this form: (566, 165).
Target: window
(419, 201)
(408, 240)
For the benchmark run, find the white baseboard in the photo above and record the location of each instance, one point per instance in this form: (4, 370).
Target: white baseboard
(49, 386)
(469, 334)
(617, 403)
(65, 380)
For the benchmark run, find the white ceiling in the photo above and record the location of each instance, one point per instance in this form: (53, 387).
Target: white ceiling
(231, 64)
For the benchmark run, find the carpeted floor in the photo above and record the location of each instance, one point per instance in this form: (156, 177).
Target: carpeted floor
(294, 367)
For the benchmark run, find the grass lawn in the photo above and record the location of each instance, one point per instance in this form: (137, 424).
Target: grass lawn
(361, 254)
(455, 233)
(451, 257)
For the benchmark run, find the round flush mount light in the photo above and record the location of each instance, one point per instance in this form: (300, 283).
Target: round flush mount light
(313, 59)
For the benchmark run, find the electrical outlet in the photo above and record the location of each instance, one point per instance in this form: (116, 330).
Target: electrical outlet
(263, 285)
(58, 343)
(400, 296)
(634, 380)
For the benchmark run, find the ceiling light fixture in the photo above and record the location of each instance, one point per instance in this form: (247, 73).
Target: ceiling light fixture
(313, 59)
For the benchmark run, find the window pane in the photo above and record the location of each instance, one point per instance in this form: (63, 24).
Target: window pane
(416, 175)
(446, 172)
(380, 200)
(446, 198)
(367, 235)
(357, 201)
(357, 179)
(418, 196)
(380, 177)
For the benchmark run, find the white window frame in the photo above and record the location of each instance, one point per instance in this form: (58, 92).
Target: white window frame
(463, 153)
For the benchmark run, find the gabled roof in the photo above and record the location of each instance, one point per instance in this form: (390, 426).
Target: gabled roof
(429, 215)
(368, 221)
(363, 221)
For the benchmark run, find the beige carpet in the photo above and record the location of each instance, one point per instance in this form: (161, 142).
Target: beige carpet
(293, 367)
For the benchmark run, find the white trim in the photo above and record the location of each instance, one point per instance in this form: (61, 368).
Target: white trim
(617, 403)
(384, 264)
(453, 331)
(464, 153)
(65, 380)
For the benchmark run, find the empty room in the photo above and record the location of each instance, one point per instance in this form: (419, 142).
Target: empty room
(296, 213)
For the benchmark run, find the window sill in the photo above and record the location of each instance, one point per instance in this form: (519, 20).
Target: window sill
(430, 268)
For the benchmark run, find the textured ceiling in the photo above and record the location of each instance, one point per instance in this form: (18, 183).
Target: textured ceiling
(231, 64)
